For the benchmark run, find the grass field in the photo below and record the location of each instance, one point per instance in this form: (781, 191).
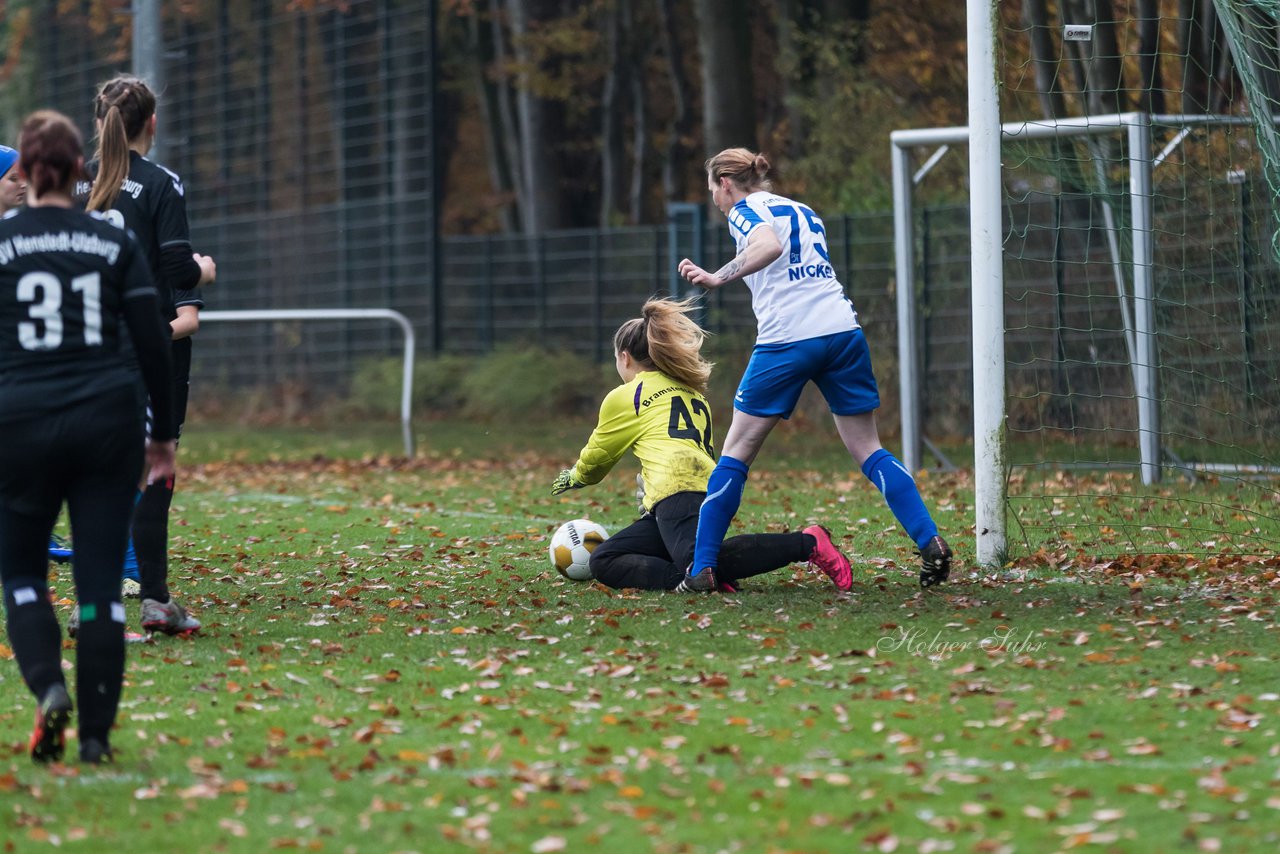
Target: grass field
(389, 664)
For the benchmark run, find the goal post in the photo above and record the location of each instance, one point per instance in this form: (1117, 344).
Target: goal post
(1116, 310)
(987, 278)
(1125, 195)
(987, 283)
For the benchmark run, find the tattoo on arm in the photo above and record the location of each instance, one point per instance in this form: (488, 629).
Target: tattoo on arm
(728, 271)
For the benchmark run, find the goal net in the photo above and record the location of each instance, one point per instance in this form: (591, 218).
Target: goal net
(1141, 341)
(1141, 277)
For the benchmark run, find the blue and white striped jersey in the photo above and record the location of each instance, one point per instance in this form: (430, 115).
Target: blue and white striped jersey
(797, 296)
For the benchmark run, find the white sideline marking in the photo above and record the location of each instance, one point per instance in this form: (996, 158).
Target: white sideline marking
(1189, 764)
(710, 769)
(274, 498)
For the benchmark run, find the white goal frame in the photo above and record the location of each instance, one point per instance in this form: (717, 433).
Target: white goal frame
(984, 136)
(987, 268)
(988, 291)
(406, 384)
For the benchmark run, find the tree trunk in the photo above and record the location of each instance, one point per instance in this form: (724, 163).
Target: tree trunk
(479, 54)
(795, 76)
(1044, 59)
(1221, 94)
(1035, 16)
(680, 128)
(1197, 54)
(728, 100)
(639, 147)
(1151, 99)
(543, 207)
(507, 127)
(1106, 73)
(611, 148)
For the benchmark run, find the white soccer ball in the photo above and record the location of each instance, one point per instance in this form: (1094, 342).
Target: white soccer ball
(572, 545)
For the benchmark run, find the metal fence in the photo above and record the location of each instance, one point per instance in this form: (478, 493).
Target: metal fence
(304, 136)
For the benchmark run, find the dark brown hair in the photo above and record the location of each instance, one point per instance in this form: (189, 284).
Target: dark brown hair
(124, 105)
(665, 337)
(746, 169)
(50, 152)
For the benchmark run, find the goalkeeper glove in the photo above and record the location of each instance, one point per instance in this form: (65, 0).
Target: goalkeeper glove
(564, 481)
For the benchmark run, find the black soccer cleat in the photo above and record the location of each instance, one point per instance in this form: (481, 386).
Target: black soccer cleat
(703, 582)
(935, 562)
(95, 752)
(48, 736)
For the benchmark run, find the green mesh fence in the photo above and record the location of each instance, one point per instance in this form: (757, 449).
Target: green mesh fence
(1250, 28)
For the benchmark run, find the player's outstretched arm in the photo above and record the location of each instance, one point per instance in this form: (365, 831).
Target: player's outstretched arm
(564, 482)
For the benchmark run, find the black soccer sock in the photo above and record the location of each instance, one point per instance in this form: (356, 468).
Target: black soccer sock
(755, 554)
(99, 667)
(151, 540)
(642, 572)
(34, 634)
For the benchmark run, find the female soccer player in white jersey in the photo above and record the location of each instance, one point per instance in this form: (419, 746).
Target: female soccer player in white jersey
(807, 330)
(660, 413)
(150, 200)
(71, 429)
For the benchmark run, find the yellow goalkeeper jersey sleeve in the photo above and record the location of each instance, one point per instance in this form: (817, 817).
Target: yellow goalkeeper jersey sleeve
(667, 424)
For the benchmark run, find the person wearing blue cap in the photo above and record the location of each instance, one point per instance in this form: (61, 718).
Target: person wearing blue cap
(13, 188)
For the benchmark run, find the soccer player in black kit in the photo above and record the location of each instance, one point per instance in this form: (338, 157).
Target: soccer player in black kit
(71, 429)
(148, 199)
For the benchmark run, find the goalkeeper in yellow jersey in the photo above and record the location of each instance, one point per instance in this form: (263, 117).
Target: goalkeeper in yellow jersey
(660, 413)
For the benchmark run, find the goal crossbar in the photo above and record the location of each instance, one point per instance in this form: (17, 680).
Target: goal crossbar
(1075, 126)
(316, 314)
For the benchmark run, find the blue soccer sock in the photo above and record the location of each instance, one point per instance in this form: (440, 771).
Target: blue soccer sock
(131, 562)
(724, 494)
(130, 556)
(899, 489)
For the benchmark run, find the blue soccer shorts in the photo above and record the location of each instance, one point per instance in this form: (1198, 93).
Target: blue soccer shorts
(839, 364)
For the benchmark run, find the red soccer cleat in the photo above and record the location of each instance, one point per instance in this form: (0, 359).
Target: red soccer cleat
(49, 738)
(828, 558)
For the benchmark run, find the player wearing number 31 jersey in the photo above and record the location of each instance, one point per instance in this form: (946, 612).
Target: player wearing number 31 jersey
(660, 412)
(71, 429)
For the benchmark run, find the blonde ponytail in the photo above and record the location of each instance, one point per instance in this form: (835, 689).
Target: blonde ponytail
(123, 106)
(667, 338)
(113, 161)
(746, 169)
